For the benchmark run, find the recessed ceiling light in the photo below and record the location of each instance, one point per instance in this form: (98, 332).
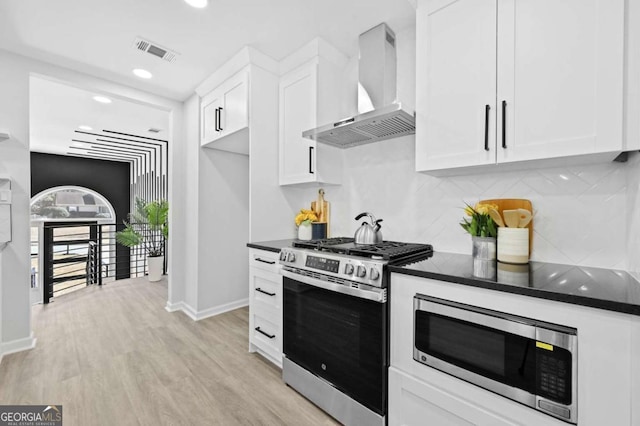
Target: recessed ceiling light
(83, 127)
(102, 99)
(142, 73)
(197, 3)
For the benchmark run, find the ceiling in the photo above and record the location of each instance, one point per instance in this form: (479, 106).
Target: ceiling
(56, 111)
(97, 37)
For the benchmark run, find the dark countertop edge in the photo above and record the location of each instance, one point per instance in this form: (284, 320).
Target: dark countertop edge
(261, 247)
(273, 245)
(608, 305)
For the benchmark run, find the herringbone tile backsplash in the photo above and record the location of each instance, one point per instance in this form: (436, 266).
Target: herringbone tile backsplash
(581, 213)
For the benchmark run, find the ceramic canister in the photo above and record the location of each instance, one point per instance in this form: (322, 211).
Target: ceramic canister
(513, 245)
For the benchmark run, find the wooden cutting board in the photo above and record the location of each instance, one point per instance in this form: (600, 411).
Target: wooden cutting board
(511, 204)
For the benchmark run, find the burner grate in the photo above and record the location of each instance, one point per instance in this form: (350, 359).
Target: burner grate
(386, 250)
(322, 244)
(391, 250)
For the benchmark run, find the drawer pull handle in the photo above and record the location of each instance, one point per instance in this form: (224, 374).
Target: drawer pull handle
(270, 336)
(270, 262)
(265, 292)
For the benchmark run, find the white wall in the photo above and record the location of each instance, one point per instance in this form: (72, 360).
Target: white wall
(14, 160)
(190, 195)
(223, 273)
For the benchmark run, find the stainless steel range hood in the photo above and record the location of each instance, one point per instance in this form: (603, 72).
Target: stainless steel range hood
(380, 114)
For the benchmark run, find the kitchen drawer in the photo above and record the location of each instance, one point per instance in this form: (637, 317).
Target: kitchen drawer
(266, 289)
(263, 259)
(266, 336)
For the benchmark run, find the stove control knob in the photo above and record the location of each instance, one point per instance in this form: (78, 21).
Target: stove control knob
(374, 274)
(348, 269)
(283, 256)
(362, 271)
(291, 257)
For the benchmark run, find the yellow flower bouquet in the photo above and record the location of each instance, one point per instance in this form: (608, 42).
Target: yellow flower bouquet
(306, 217)
(480, 224)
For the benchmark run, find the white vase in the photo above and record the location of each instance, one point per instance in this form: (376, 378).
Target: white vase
(155, 268)
(304, 231)
(513, 245)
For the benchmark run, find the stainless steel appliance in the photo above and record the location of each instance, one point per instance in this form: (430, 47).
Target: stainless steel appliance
(336, 324)
(381, 116)
(368, 233)
(529, 361)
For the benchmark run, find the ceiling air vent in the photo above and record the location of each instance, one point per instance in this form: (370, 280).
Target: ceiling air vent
(154, 49)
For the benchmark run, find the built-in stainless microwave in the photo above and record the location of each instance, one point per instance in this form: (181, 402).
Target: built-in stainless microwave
(529, 361)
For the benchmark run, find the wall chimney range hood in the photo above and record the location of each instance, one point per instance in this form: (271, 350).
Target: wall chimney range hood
(380, 114)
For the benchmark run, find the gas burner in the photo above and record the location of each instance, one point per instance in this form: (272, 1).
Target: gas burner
(386, 250)
(321, 244)
(391, 250)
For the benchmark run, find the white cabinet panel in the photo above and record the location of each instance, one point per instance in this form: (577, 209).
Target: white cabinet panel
(309, 95)
(413, 403)
(265, 305)
(224, 112)
(297, 113)
(552, 74)
(560, 72)
(458, 57)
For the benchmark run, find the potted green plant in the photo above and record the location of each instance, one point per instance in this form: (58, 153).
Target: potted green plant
(482, 229)
(148, 227)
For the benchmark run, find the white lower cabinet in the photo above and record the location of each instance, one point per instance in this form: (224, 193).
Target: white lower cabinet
(608, 376)
(415, 403)
(265, 305)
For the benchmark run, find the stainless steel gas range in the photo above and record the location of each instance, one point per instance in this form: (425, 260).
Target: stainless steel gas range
(336, 345)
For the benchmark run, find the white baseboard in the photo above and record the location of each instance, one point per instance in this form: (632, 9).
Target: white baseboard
(173, 307)
(205, 313)
(18, 345)
(217, 310)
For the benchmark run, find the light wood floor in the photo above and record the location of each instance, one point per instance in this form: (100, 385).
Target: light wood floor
(114, 356)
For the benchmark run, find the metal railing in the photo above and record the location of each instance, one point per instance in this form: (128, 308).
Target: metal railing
(81, 254)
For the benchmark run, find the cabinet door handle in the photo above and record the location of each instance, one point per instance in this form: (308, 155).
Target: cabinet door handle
(270, 262)
(216, 120)
(220, 119)
(258, 289)
(311, 160)
(504, 124)
(270, 336)
(486, 127)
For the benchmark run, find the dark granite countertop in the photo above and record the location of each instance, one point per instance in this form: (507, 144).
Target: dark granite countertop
(274, 245)
(608, 289)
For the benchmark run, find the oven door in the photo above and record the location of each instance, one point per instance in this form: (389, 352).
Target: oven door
(338, 337)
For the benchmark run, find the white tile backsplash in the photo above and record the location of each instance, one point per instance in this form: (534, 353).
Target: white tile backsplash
(580, 213)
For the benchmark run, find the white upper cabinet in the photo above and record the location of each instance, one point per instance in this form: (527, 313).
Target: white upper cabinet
(309, 97)
(457, 96)
(504, 81)
(224, 111)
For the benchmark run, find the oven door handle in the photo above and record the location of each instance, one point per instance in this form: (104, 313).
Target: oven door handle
(376, 294)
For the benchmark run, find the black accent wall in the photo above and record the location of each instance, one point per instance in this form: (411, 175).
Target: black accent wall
(111, 179)
(108, 178)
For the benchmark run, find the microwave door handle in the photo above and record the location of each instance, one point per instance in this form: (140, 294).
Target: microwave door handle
(497, 321)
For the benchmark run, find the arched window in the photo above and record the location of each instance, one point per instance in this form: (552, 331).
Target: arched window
(71, 203)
